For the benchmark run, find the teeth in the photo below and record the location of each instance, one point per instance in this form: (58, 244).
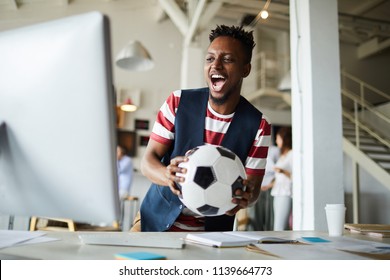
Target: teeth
(217, 76)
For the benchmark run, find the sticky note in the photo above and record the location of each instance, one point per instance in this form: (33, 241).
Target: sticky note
(315, 239)
(139, 256)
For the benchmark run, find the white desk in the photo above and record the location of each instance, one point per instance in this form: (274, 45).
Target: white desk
(69, 247)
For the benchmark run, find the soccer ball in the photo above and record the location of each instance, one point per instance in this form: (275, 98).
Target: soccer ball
(213, 175)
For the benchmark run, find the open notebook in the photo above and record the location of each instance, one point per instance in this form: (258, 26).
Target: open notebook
(233, 238)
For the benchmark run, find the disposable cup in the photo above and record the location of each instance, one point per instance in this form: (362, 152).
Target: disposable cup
(335, 216)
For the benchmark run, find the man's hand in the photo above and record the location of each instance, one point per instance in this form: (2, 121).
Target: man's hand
(247, 197)
(171, 175)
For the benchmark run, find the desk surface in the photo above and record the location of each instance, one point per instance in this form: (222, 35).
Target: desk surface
(69, 247)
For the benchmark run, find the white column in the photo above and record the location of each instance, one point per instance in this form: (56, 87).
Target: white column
(192, 67)
(316, 111)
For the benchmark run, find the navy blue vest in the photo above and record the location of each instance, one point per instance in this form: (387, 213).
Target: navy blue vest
(160, 207)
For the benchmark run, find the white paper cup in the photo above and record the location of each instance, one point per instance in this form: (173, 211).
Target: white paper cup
(335, 216)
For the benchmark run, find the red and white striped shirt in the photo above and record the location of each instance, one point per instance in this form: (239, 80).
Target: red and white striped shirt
(216, 126)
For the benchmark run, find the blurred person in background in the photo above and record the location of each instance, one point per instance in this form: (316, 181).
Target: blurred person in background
(125, 172)
(282, 184)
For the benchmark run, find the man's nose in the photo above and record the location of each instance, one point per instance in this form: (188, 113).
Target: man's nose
(217, 63)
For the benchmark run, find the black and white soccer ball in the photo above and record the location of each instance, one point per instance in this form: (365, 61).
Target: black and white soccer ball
(213, 174)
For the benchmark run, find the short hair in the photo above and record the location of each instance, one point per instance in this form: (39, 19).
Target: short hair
(236, 32)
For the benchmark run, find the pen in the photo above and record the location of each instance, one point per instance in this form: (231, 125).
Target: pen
(383, 247)
(278, 241)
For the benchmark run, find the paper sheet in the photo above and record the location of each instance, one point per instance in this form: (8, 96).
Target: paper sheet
(356, 245)
(10, 238)
(340, 248)
(307, 252)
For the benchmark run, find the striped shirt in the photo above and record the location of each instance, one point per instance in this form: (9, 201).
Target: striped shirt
(216, 126)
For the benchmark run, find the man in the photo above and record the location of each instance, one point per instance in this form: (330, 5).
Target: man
(216, 115)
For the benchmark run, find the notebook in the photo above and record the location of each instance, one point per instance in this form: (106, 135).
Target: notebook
(374, 230)
(233, 238)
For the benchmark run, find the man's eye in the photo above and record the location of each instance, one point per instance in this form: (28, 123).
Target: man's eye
(228, 59)
(209, 59)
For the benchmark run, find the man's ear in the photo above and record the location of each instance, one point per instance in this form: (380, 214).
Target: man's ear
(247, 70)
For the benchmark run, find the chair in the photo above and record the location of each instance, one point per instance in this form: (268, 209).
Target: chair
(56, 224)
(130, 207)
(45, 225)
(242, 220)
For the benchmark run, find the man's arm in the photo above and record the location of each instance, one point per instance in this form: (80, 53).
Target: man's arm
(255, 183)
(156, 171)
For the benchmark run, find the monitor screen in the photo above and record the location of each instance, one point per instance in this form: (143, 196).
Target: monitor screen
(57, 121)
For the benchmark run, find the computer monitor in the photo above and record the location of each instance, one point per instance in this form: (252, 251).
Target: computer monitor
(57, 121)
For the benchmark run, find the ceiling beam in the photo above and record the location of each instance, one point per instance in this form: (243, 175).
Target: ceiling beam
(176, 15)
(372, 47)
(209, 13)
(256, 6)
(365, 6)
(194, 22)
(199, 15)
(272, 21)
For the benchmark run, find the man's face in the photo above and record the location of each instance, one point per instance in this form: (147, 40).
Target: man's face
(224, 68)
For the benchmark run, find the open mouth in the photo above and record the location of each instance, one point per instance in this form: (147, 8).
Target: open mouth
(217, 81)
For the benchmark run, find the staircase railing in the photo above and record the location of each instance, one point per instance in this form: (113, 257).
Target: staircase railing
(359, 106)
(358, 100)
(364, 90)
(363, 100)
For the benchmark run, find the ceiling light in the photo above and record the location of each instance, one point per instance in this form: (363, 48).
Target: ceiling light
(134, 57)
(264, 14)
(128, 106)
